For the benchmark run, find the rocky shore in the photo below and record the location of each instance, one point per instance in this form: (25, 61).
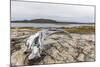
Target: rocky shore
(58, 48)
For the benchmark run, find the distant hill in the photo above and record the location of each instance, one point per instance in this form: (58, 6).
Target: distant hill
(47, 21)
(43, 21)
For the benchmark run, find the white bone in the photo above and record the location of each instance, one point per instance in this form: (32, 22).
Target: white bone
(37, 48)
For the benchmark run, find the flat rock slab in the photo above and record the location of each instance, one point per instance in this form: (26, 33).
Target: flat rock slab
(60, 49)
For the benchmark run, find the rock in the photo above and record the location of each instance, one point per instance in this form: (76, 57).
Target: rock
(47, 60)
(18, 57)
(81, 57)
(67, 57)
(59, 49)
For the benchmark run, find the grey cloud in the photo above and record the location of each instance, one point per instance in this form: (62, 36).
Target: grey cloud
(59, 12)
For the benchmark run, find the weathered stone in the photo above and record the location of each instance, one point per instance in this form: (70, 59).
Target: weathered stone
(58, 49)
(81, 57)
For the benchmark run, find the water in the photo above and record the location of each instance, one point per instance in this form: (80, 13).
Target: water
(36, 25)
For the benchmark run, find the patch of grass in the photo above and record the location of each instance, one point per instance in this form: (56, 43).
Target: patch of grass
(21, 29)
(81, 29)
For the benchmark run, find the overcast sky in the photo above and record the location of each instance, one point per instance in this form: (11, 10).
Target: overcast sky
(60, 12)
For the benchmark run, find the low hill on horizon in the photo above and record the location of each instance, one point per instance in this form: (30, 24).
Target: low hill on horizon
(47, 21)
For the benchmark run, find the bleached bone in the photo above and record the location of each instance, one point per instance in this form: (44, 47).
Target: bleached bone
(35, 42)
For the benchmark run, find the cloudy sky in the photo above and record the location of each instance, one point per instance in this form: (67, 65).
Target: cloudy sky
(60, 12)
